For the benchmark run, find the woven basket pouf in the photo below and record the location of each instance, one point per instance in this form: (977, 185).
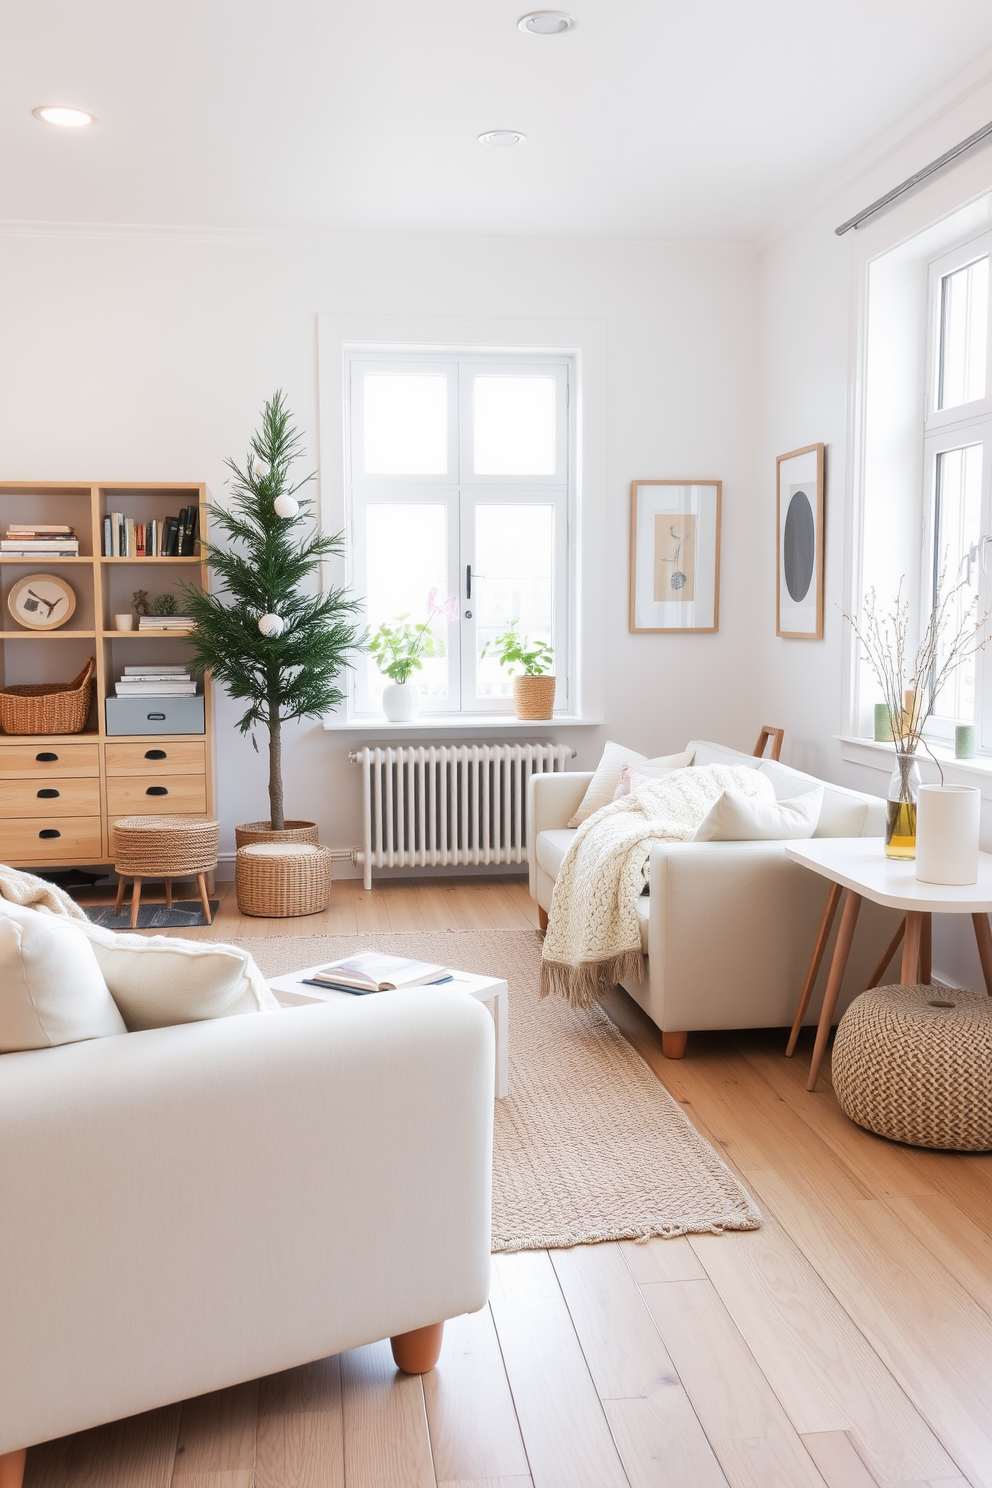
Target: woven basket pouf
(915, 1064)
(277, 880)
(163, 847)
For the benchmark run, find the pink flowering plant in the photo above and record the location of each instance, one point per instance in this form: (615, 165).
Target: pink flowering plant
(399, 647)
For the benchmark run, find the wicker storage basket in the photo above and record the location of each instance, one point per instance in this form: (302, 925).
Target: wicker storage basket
(534, 697)
(260, 831)
(49, 707)
(915, 1064)
(277, 880)
(164, 846)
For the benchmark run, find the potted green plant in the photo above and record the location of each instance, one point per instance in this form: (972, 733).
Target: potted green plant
(268, 635)
(534, 683)
(399, 649)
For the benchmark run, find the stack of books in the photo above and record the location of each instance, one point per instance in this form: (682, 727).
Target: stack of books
(39, 540)
(164, 622)
(175, 537)
(156, 681)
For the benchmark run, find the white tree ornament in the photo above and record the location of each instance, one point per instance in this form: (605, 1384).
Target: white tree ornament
(272, 626)
(286, 506)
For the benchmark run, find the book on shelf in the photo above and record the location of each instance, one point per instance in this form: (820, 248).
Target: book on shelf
(49, 529)
(170, 537)
(372, 972)
(11, 548)
(163, 687)
(177, 623)
(170, 670)
(57, 542)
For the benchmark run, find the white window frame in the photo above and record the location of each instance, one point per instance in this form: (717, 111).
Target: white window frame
(461, 490)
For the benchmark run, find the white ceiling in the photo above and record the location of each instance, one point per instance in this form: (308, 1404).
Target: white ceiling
(705, 118)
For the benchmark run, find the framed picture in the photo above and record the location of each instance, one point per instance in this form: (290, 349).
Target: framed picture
(799, 514)
(675, 555)
(41, 601)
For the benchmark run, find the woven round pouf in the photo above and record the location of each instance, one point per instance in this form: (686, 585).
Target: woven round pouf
(915, 1064)
(164, 847)
(276, 879)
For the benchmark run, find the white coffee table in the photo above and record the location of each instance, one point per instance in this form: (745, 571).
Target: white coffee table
(292, 991)
(859, 866)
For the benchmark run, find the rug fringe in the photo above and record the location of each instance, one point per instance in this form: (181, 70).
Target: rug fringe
(581, 985)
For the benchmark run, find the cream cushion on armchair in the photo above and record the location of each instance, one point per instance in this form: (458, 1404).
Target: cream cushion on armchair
(52, 990)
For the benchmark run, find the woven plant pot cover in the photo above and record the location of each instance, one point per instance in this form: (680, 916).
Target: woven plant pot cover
(915, 1064)
(165, 846)
(277, 880)
(260, 831)
(534, 697)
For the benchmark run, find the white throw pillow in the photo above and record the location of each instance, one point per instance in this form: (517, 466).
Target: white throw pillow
(157, 981)
(634, 776)
(738, 818)
(52, 990)
(602, 786)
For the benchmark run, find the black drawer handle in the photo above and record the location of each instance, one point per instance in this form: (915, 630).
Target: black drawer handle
(157, 790)
(48, 795)
(49, 832)
(155, 754)
(155, 717)
(46, 757)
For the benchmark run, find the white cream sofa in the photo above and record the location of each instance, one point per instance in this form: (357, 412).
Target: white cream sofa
(189, 1207)
(728, 928)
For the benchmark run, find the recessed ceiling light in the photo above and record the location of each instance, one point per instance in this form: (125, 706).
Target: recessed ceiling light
(502, 138)
(547, 22)
(68, 118)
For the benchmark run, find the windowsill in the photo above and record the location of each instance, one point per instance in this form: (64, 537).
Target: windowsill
(879, 756)
(433, 723)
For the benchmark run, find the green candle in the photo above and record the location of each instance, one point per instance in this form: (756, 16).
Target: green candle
(883, 723)
(964, 741)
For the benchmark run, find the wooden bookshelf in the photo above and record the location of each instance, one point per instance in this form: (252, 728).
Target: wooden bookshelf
(99, 775)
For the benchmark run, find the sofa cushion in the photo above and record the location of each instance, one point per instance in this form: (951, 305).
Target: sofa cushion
(552, 847)
(157, 981)
(734, 817)
(606, 778)
(844, 813)
(52, 990)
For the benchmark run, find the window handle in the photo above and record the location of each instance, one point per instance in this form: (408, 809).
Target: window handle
(983, 542)
(468, 581)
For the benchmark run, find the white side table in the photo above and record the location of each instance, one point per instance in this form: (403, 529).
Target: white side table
(292, 991)
(859, 866)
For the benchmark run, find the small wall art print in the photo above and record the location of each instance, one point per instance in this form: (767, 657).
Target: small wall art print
(799, 577)
(675, 555)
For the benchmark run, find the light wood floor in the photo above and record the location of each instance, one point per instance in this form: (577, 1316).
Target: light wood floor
(848, 1342)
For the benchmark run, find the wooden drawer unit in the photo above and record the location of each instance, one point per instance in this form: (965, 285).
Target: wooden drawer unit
(55, 839)
(162, 757)
(141, 795)
(51, 796)
(30, 761)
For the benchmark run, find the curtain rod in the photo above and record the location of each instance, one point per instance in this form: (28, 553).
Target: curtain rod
(921, 175)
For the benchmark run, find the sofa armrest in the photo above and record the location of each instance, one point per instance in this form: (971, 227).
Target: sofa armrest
(552, 801)
(192, 1206)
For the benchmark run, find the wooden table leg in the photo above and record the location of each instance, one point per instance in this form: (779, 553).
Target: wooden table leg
(135, 901)
(889, 952)
(845, 935)
(826, 925)
(204, 896)
(910, 972)
(984, 937)
(926, 950)
(168, 893)
(120, 895)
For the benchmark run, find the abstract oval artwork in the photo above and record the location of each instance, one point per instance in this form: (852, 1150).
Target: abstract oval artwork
(799, 546)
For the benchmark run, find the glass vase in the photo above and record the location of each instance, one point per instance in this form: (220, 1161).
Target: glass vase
(900, 825)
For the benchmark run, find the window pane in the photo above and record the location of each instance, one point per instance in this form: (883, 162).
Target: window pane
(512, 579)
(514, 425)
(964, 312)
(957, 531)
(406, 424)
(407, 558)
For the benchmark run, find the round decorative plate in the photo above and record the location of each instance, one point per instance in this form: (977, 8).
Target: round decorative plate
(41, 601)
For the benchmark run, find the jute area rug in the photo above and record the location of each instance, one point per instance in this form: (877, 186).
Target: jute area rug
(588, 1146)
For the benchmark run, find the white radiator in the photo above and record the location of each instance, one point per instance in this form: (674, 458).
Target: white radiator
(427, 805)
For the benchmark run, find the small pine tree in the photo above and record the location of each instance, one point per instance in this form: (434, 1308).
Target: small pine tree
(292, 674)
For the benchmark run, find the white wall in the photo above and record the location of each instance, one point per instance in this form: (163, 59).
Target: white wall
(147, 356)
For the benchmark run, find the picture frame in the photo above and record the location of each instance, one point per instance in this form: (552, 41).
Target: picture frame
(41, 601)
(675, 556)
(799, 527)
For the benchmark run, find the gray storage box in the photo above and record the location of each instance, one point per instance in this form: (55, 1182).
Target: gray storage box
(155, 715)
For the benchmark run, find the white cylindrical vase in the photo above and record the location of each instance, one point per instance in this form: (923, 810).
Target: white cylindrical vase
(947, 824)
(400, 701)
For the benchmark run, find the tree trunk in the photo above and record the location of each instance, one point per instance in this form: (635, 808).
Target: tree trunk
(277, 818)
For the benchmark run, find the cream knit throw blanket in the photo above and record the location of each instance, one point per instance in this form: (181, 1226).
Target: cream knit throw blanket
(593, 939)
(34, 893)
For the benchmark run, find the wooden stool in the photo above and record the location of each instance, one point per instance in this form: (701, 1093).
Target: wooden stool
(276, 880)
(164, 847)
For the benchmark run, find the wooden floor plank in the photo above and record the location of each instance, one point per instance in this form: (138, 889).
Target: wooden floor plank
(473, 1425)
(662, 1260)
(386, 1439)
(958, 1243)
(836, 1457)
(565, 1431)
(311, 1387)
(304, 1450)
(217, 1432)
(517, 1482)
(137, 1452)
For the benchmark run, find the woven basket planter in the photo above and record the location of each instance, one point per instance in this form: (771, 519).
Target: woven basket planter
(915, 1064)
(534, 697)
(278, 880)
(48, 708)
(164, 846)
(260, 831)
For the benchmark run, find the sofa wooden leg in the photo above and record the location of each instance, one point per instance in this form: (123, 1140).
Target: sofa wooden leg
(542, 919)
(673, 1045)
(418, 1351)
(12, 1468)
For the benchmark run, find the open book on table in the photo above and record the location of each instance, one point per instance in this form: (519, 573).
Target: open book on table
(371, 972)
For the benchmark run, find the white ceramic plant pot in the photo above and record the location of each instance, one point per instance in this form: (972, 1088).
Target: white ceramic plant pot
(947, 823)
(400, 701)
